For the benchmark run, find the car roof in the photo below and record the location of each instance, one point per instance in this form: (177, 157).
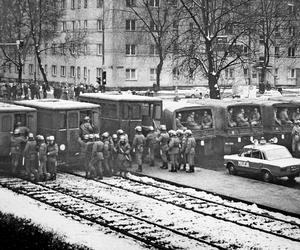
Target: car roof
(264, 147)
(120, 97)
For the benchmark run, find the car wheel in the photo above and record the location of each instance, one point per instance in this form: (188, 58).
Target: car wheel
(231, 169)
(193, 96)
(267, 176)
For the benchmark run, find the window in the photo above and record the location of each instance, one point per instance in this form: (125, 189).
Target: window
(175, 73)
(231, 73)
(72, 48)
(63, 48)
(85, 24)
(99, 3)
(63, 71)
(53, 49)
(73, 120)
(6, 123)
(46, 69)
(63, 4)
(276, 72)
(291, 52)
(277, 51)
(131, 74)
(246, 72)
(136, 111)
(54, 70)
(79, 24)
(84, 72)
(153, 50)
(73, 25)
(98, 72)
(62, 120)
(130, 3)
(100, 25)
(64, 26)
(85, 5)
(130, 24)
(72, 4)
(72, 71)
(78, 72)
(154, 3)
(85, 49)
(130, 49)
(79, 4)
(292, 73)
(292, 31)
(153, 26)
(291, 8)
(152, 74)
(30, 69)
(99, 49)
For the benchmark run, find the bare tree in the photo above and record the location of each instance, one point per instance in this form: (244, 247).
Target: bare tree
(213, 38)
(159, 20)
(275, 28)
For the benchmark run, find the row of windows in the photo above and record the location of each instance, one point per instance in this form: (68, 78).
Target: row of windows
(78, 4)
(77, 25)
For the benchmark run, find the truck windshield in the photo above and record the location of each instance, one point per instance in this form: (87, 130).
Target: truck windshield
(278, 153)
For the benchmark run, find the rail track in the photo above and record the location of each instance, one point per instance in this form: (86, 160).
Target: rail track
(92, 201)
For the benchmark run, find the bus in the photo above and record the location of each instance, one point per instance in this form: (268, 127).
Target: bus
(125, 111)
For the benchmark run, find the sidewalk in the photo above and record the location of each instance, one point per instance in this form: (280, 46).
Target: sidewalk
(246, 189)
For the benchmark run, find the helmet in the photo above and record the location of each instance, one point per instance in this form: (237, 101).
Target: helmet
(172, 132)
(163, 127)
(48, 138)
(17, 131)
(91, 136)
(120, 132)
(30, 135)
(188, 132)
(179, 132)
(123, 138)
(138, 128)
(86, 137)
(40, 138)
(51, 138)
(114, 136)
(86, 118)
(151, 128)
(96, 136)
(105, 134)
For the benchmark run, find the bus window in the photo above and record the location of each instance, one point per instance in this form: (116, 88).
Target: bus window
(136, 111)
(145, 109)
(157, 112)
(30, 123)
(6, 123)
(73, 120)
(109, 110)
(95, 118)
(20, 118)
(62, 120)
(125, 111)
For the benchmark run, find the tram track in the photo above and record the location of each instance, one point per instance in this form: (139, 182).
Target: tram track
(288, 229)
(140, 229)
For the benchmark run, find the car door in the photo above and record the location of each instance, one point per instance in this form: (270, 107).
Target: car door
(256, 161)
(243, 160)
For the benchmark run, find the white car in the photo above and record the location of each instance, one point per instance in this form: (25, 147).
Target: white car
(195, 92)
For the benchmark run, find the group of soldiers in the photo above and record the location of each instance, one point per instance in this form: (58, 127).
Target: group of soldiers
(37, 155)
(105, 154)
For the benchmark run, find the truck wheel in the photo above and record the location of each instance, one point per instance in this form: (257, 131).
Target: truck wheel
(193, 96)
(267, 176)
(231, 169)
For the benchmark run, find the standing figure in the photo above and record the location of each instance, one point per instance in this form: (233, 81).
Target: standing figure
(163, 140)
(114, 153)
(89, 168)
(190, 151)
(16, 146)
(86, 127)
(123, 157)
(97, 157)
(52, 154)
(173, 150)
(120, 133)
(107, 148)
(30, 155)
(296, 137)
(138, 147)
(151, 144)
(181, 156)
(83, 146)
(42, 158)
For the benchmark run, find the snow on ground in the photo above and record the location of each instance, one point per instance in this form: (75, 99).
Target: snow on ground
(74, 232)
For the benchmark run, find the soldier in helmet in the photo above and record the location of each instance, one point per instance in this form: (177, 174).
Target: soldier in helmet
(16, 146)
(97, 157)
(190, 151)
(173, 150)
(123, 157)
(120, 132)
(181, 158)
(114, 153)
(89, 169)
(107, 148)
(24, 131)
(83, 145)
(163, 140)
(30, 155)
(86, 127)
(138, 147)
(151, 142)
(42, 158)
(52, 154)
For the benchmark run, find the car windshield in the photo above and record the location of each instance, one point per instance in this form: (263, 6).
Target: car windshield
(278, 153)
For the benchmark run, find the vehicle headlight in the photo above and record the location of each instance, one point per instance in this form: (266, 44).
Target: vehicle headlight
(62, 147)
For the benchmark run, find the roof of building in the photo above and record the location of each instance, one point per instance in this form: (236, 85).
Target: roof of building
(57, 104)
(7, 107)
(120, 97)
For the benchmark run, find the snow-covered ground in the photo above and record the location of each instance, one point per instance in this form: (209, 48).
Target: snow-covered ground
(75, 232)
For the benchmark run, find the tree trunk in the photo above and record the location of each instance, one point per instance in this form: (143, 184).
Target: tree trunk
(20, 71)
(158, 72)
(38, 56)
(214, 91)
